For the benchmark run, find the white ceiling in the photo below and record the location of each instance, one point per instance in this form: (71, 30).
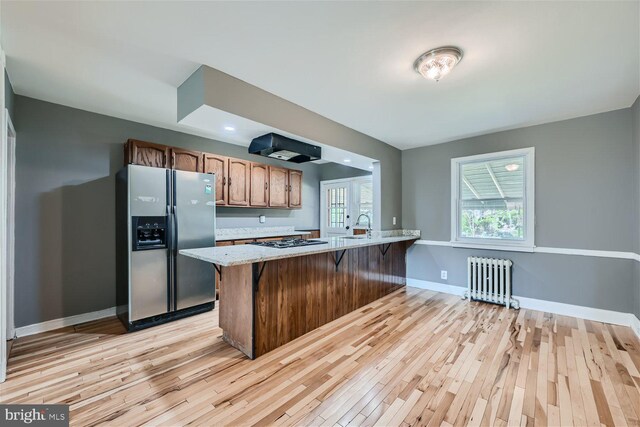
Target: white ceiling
(234, 129)
(524, 62)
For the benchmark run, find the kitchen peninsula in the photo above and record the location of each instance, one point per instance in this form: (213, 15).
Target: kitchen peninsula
(271, 296)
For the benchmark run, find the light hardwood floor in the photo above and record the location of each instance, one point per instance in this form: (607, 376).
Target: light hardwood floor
(412, 358)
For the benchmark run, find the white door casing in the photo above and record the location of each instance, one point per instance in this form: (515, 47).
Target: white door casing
(10, 232)
(3, 237)
(7, 201)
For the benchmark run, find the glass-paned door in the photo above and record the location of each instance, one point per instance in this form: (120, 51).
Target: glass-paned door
(336, 207)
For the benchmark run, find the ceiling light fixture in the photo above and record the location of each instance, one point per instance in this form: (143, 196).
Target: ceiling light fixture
(347, 160)
(512, 167)
(437, 63)
(229, 128)
(371, 167)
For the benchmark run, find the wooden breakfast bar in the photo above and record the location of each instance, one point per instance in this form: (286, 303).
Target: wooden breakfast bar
(271, 296)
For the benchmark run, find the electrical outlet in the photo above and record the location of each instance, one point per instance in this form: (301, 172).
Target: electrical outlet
(262, 219)
(394, 220)
(443, 274)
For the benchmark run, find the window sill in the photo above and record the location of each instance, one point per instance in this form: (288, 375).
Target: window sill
(493, 247)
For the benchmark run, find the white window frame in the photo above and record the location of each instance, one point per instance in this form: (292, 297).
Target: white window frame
(355, 203)
(526, 245)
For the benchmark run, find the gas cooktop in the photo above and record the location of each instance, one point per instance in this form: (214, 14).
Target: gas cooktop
(289, 243)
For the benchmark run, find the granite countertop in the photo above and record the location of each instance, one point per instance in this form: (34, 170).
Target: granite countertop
(225, 234)
(227, 256)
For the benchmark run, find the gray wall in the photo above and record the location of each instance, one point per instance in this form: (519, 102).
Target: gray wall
(66, 160)
(227, 93)
(337, 171)
(586, 170)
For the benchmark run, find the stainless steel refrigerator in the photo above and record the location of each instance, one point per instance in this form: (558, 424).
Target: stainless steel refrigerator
(159, 212)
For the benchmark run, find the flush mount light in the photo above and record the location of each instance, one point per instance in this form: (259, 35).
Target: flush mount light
(371, 167)
(229, 128)
(347, 160)
(512, 167)
(437, 63)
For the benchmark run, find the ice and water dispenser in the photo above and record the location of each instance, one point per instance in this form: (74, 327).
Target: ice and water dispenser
(149, 232)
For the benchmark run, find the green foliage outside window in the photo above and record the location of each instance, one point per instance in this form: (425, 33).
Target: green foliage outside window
(493, 223)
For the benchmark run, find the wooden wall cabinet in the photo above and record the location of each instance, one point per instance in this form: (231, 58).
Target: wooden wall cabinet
(295, 188)
(259, 194)
(186, 160)
(278, 187)
(238, 182)
(218, 165)
(146, 154)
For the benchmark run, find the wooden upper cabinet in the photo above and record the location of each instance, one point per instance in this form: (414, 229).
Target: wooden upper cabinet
(218, 165)
(186, 160)
(146, 154)
(238, 179)
(239, 183)
(259, 194)
(295, 188)
(278, 187)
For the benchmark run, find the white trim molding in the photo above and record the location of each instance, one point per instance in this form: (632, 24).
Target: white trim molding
(588, 313)
(545, 250)
(51, 325)
(588, 252)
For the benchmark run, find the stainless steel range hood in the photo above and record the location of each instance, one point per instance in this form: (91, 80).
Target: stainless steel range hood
(283, 148)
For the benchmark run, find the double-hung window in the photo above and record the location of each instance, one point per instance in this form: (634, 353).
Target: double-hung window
(492, 200)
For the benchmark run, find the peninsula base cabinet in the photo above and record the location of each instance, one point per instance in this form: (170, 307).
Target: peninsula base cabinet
(268, 304)
(239, 183)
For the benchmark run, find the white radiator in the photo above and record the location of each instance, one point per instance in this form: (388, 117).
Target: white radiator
(489, 280)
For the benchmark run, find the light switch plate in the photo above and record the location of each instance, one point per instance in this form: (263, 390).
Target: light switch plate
(262, 219)
(443, 274)
(394, 220)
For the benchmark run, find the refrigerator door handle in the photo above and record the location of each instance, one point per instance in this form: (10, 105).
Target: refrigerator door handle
(170, 237)
(175, 227)
(174, 274)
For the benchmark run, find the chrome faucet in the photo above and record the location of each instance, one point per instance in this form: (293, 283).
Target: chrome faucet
(368, 224)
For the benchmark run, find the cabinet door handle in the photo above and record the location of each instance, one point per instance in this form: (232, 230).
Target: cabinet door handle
(265, 185)
(229, 181)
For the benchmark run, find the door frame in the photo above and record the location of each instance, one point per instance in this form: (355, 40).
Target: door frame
(10, 133)
(7, 203)
(351, 201)
(324, 186)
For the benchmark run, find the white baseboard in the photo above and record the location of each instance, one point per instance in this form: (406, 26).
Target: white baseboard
(588, 313)
(51, 325)
(435, 286)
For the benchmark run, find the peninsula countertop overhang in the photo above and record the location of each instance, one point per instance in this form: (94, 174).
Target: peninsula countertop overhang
(227, 256)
